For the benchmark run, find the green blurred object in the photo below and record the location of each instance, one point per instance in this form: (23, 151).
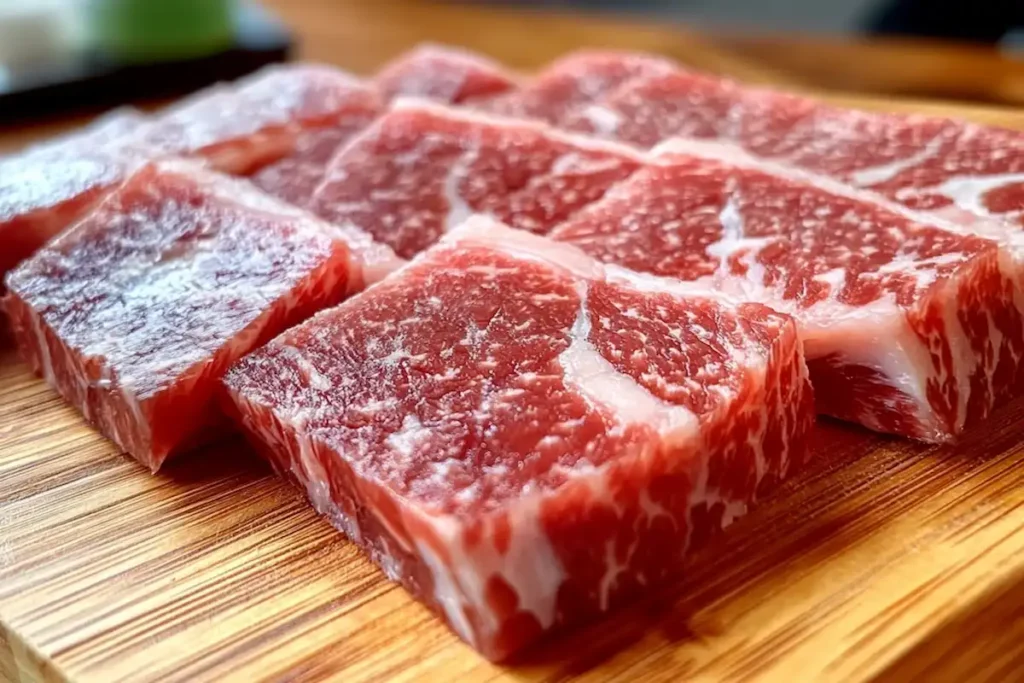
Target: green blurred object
(150, 30)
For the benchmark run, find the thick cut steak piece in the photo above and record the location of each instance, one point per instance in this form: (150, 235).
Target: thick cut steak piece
(566, 88)
(48, 186)
(243, 126)
(444, 74)
(522, 436)
(423, 168)
(962, 171)
(134, 313)
(908, 326)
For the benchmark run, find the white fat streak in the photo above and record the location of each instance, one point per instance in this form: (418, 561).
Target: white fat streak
(458, 209)
(734, 240)
(409, 436)
(796, 388)
(611, 573)
(876, 335)
(315, 377)
(1010, 268)
(605, 121)
(449, 595)
(702, 288)
(734, 509)
(709, 497)
(924, 270)
(484, 231)
(968, 192)
(603, 385)
(875, 175)
(964, 358)
(732, 155)
(318, 487)
(530, 567)
(307, 468)
(755, 439)
(653, 509)
(834, 278)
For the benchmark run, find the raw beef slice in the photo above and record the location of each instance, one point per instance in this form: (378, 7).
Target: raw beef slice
(522, 436)
(134, 313)
(423, 168)
(909, 327)
(243, 126)
(444, 74)
(961, 171)
(46, 187)
(569, 85)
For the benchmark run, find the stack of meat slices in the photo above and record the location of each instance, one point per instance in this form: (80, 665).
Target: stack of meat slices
(235, 129)
(601, 297)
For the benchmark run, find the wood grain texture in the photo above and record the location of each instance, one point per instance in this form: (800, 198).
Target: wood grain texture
(886, 560)
(887, 66)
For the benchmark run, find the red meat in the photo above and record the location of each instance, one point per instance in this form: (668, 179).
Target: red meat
(569, 85)
(295, 114)
(48, 186)
(423, 168)
(962, 171)
(909, 326)
(444, 74)
(244, 126)
(522, 436)
(134, 313)
(296, 177)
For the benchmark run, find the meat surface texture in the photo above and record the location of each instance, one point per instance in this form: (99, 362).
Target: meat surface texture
(909, 327)
(243, 126)
(46, 187)
(444, 74)
(961, 170)
(566, 89)
(296, 177)
(134, 314)
(522, 436)
(423, 168)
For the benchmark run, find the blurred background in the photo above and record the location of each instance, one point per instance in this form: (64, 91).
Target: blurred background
(59, 54)
(988, 21)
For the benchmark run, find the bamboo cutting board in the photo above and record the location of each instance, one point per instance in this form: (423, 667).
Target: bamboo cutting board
(886, 560)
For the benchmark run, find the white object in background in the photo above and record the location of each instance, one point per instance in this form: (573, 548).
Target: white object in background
(34, 31)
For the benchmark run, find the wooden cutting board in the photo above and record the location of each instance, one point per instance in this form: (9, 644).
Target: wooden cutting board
(885, 560)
